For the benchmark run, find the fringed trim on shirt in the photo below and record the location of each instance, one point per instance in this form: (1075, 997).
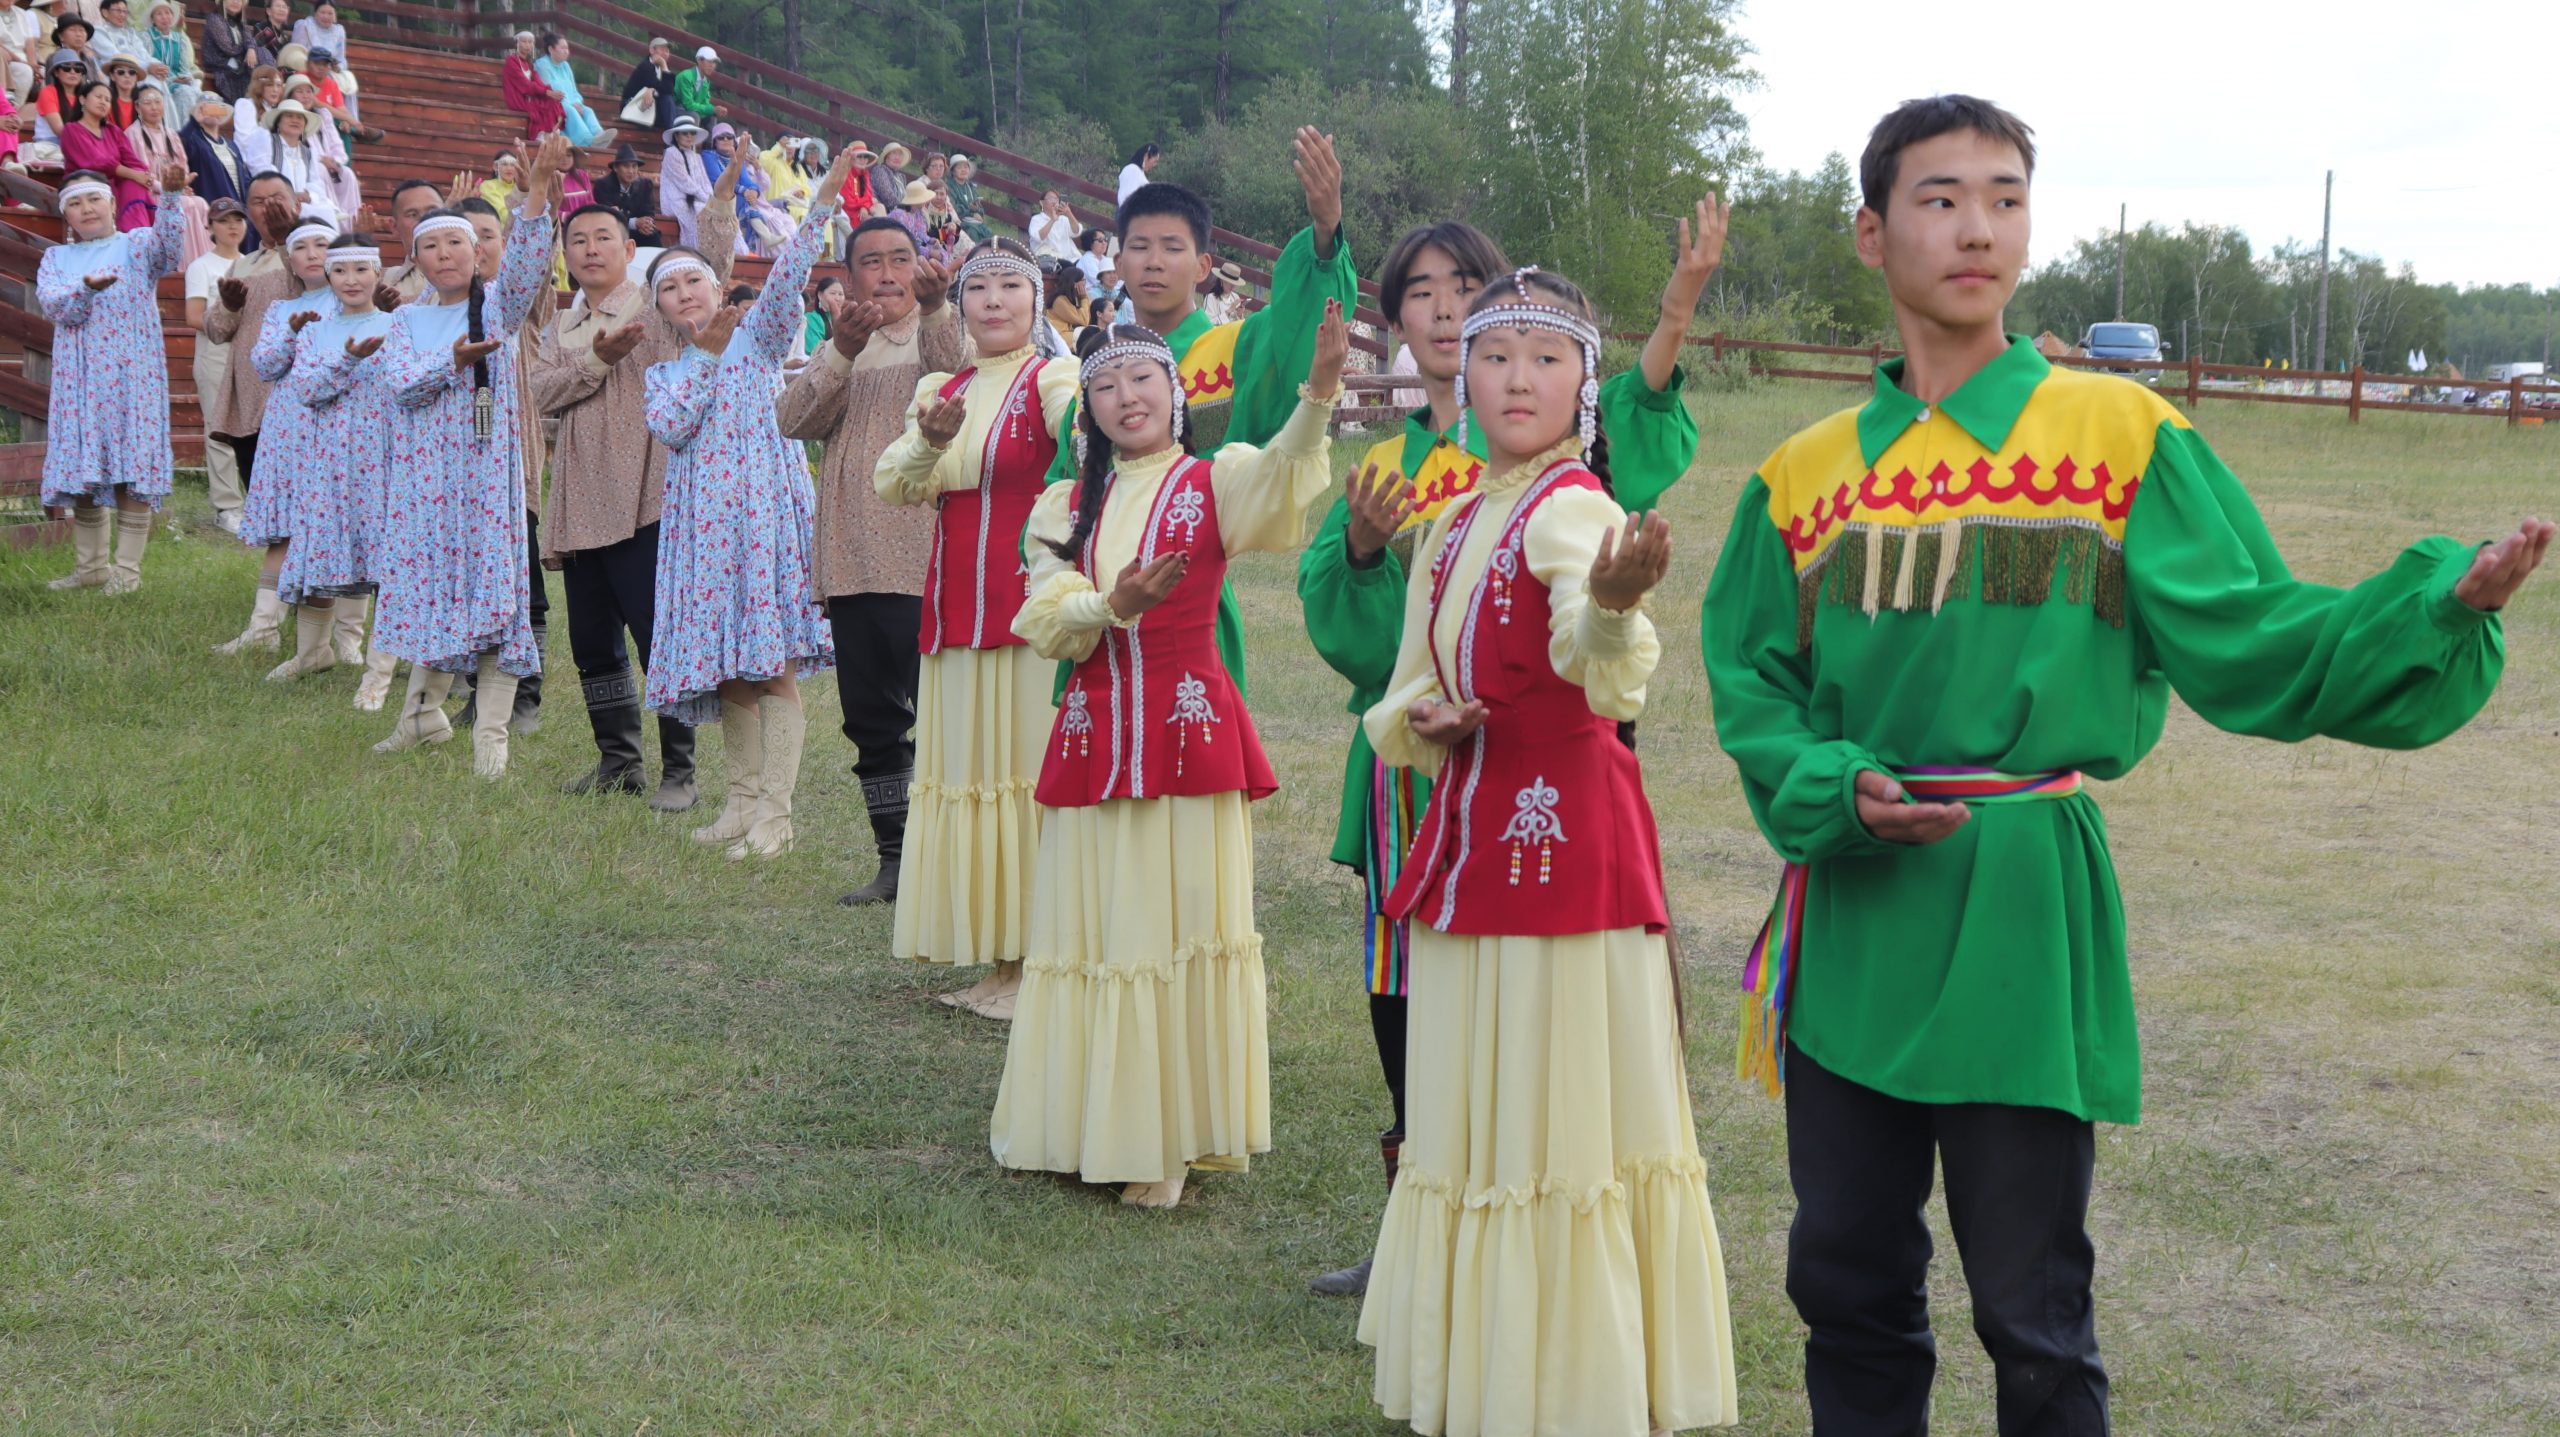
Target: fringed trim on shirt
(1635, 1172)
(1993, 558)
(971, 792)
(1158, 970)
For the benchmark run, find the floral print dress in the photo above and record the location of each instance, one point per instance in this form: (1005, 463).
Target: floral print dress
(734, 545)
(110, 410)
(275, 482)
(338, 499)
(453, 533)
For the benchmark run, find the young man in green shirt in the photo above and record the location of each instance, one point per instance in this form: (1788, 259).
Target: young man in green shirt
(1932, 615)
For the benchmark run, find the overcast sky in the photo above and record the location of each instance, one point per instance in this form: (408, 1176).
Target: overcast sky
(2442, 118)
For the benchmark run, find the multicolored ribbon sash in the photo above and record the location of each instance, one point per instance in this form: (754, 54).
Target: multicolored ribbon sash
(1769, 972)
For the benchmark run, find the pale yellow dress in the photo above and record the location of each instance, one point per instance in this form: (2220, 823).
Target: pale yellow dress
(1548, 1265)
(1139, 1046)
(982, 715)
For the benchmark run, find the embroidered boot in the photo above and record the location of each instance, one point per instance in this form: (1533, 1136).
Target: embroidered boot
(422, 717)
(266, 624)
(348, 637)
(91, 524)
(676, 792)
(885, 799)
(133, 535)
(783, 723)
(496, 690)
(613, 717)
(312, 625)
(742, 739)
(524, 718)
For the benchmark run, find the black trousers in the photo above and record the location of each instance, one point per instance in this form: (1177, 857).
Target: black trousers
(611, 590)
(1858, 1255)
(1386, 1026)
(877, 664)
(244, 452)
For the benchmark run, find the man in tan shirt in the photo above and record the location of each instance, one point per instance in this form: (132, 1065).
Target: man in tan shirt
(608, 478)
(237, 407)
(411, 201)
(886, 334)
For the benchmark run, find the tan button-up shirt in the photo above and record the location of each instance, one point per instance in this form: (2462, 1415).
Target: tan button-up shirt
(237, 408)
(856, 407)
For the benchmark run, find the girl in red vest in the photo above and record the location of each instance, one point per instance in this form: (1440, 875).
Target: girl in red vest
(978, 449)
(1548, 1261)
(1140, 1050)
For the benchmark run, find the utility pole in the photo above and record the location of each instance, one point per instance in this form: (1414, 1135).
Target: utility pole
(2320, 323)
(2119, 261)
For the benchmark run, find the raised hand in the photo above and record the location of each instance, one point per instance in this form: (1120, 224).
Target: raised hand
(1140, 589)
(467, 354)
(1625, 571)
(1333, 345)
(105, 280)
(1883, 811)
(174, 177)
(385, 298)
(363, 348)
(713, 336)
(725, 188)
(1381, 505)
(824, 197)
(931, 286)
(234, 292)
(1694, 261)
(614, 346)
(939, 421)
(466, 183)
(2500, 569)
(1320, 175)
(303, 321)
(1442, 723)
(549, 164)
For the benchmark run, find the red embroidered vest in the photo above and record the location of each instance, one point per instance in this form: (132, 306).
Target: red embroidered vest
(1539, 823)
(1152, 712)
(973, 582)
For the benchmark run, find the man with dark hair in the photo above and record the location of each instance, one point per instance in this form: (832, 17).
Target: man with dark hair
(1931, 616)
(631, 194)
(411, 200)
(237, 407)
(608, 480)
(887, 330)
(1240, 379)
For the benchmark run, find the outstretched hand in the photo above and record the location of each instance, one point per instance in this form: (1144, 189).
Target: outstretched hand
(931, 286)
(1320, 175)
(1442, 723)
(614, 346)
(467, 354)
(1333, 346)
(939, 421)
(851, 323)
(385, 298)
(363, 348)
(1628, 566)
(300, 322)
(234, 292)
(713, 336)
(2500, 569)
(1694, 260)
(1140, 589)
(103, 281)
(1381, 505)
(1884, 813)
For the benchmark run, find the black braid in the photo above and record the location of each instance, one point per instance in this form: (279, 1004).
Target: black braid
(1597, 461)
(472, 313)
(1099, 457)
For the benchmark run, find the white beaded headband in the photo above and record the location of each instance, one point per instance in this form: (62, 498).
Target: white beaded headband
(438, 224)
(993, 260)
(355, 254)
(1151, 348)
(1526, 313)
(681, 264)
(310, 231)
(83, 187)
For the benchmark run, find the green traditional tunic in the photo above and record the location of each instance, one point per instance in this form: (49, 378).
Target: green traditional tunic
(1241, 379)
(1355, 612)
(2015, 580)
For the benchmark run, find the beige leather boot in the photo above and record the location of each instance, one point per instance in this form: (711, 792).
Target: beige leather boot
(91, 525)
(742, 753)
(422, 717)
(784, 723)
(311, 651)
(266, 623)
(133, 535)
(496, 690)
(348, 637)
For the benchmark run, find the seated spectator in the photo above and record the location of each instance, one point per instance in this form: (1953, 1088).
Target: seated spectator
(577, 187)
(889, 174)
(693, 87)
(249, 116)
(64, 73)
(321, 183)
(655, 75)
(504, 189)
(685, 177)
(91, 142)
(1069, 306)
(633, 195)
(577, 117)
(9, 144)
(230, 53)
(813, 328)
(1093, 253)
(856, 197)
(762, 229)
(526, 94)
(331, 98)
(158, 145)
(124, 81)
(118, 36)
(965, 201)
(320, 30)
(343, 185)
(173, 55)
(22, 48)
(78, 36)
(215, 165)
(1053, 231)
(273, 30)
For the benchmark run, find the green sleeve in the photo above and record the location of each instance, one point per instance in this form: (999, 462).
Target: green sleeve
(1797, 779)
(1652, 436)
(1355, 613)
(1276, 343)
(2395, 662)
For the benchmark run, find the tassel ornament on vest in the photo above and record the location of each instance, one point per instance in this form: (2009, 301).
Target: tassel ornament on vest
(1534, 820)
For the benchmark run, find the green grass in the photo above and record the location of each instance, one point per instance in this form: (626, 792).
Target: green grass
(347, 1094)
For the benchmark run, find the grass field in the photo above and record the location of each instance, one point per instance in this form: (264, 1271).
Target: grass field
(349, 1095)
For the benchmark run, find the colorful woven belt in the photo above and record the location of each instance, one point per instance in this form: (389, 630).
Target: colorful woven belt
(1769, 972)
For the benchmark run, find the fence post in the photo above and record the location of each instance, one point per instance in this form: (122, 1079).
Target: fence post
(2515, 400)
(2355, 395)
(2195, 380)
(1715, 347)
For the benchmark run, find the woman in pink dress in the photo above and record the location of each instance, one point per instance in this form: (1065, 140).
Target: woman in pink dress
(90, 143)
(157, 144)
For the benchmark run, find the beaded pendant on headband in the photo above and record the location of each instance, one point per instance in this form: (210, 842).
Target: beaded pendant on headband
(1526, 313)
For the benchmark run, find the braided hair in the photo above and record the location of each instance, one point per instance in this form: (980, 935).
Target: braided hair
(1095, 458)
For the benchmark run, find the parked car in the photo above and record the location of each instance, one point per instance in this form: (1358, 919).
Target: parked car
(2122, 339)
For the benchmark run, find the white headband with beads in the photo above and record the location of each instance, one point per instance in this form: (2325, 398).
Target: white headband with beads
(438, 224)
(78, 188)
(1525, 313)
(354, 254)
(993, 260)
(310, 231)
(681, 264)
(1151, 348)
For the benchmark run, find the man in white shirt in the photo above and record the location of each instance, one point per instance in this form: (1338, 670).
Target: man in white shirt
(229, 222)
(1053, 230)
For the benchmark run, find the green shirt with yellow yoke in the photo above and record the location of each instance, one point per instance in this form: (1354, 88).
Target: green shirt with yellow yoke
(1988, 598)
(1241, 379)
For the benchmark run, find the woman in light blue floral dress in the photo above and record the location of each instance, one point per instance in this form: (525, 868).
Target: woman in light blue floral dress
(108, 450)
(738, 621)
(343, 404)
(454, 595)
